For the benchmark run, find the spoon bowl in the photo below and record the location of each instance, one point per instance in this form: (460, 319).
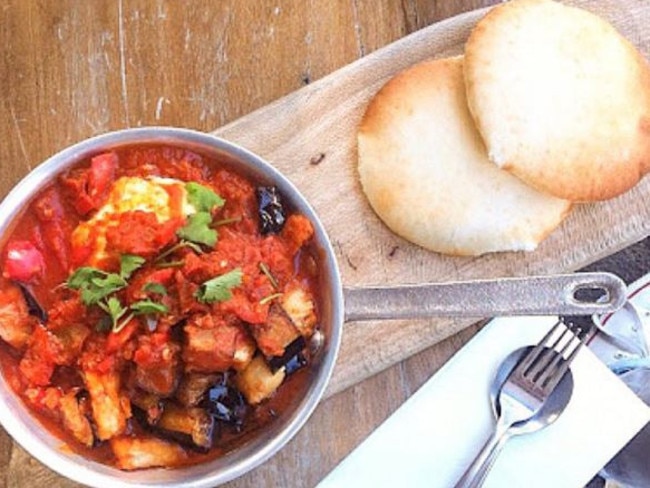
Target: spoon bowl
(549, 412)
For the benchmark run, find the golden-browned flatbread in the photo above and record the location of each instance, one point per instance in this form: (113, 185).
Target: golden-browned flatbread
(561, 99)
(425, 171)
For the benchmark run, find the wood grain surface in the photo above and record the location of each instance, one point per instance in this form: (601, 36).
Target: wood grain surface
(288, 79)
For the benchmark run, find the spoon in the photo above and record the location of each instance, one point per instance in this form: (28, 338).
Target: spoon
(550, 411)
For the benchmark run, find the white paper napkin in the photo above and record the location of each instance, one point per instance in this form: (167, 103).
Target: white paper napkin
(435, 435)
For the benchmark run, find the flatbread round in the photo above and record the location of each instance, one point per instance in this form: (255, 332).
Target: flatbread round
(561, 99)
(425, 171)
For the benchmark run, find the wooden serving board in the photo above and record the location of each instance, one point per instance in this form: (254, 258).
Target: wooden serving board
(310, 135)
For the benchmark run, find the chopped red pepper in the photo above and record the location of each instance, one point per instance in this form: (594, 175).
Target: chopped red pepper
(51, 214)
(102, 173)
(91, 187)
(24, 262)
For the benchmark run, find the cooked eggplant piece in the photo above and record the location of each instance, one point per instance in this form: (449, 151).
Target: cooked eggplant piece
(139, 453)
(110, 410)
(74, 418)
(257, 382)
(190, 426)
(149, 404)
(270, 210)
(161, 380)
(16, 326)
(297, 362)
(216, 348)
(33, 307)
(276, 333)
(226, 404)
(194, 386)
(299, 306)
(290, 356)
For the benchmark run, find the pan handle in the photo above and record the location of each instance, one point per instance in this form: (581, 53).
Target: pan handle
(565, 294)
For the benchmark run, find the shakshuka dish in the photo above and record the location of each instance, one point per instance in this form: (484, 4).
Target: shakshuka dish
(156, 307)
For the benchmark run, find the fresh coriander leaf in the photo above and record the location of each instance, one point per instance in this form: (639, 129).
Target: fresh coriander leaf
(129, 263)
(148, 307)
(94, 284)
(197, 229)
(156, 288)
(111, 282)
(98, 288)
(114, 308)
(218, 289)
(202, 198)
(82, 276)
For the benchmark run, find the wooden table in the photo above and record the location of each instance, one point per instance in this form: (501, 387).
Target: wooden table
(72, 69)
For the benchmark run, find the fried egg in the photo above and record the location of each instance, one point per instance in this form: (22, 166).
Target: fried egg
(166, 198)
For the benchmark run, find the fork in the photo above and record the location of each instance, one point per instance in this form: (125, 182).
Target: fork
(524, 393)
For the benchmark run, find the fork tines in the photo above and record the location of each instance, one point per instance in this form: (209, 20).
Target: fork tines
(547, 363)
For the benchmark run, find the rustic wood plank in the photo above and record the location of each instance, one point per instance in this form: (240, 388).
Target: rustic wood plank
(427, 13)
(6, 449)
(378, 23)
(25, 471)
(107, 65)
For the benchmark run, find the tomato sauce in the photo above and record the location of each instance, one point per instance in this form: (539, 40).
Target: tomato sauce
(147, 318)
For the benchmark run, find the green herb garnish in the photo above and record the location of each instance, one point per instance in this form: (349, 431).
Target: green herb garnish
(218, 289)
(115, 310)
(95, 284)
(197, 229)
(180, 245)
(145, 307)
(98, 287)
(202, 198)
(82, 276)
(129, 263)
(156, 288)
